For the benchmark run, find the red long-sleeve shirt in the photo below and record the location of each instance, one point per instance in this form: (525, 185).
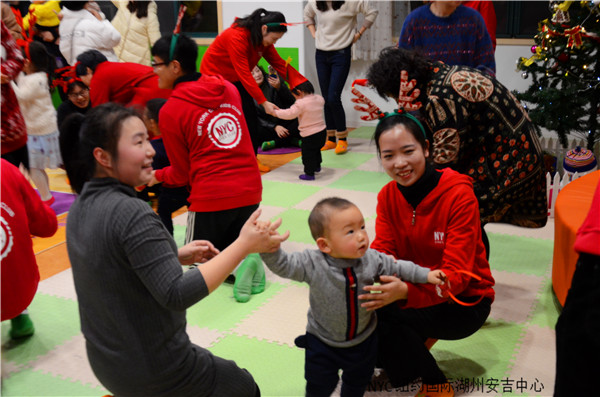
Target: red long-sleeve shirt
(23, 214)
(208, 143)
(129, 84)
(232, 56)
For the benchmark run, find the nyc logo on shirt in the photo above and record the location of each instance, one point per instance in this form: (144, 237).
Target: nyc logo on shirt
(224, 129)
(438, 237)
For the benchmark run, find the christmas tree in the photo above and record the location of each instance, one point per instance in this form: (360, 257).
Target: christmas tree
(565, 93)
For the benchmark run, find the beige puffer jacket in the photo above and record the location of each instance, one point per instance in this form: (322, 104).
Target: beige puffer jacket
(137, 35)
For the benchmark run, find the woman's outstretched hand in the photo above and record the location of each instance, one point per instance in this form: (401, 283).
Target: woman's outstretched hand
(262, 236)
(270, 107)
(391, 289)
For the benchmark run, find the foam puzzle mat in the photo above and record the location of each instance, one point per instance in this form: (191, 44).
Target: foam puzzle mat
(512, 355)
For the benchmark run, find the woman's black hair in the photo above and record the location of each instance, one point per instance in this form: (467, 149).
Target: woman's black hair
(140, 8)
(185, 52)
(74, 5)
(41, 60)
(384, 74)
(89, 59)
(154, 105)
(305, 87)
(390, 122)
(254, 22)
(80, 135)
(75, 83)
(265, 75)
(322, 5)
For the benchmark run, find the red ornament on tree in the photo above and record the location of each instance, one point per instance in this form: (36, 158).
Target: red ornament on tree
(564, 57)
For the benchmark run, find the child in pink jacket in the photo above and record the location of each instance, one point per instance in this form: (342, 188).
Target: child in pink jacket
(308, 108)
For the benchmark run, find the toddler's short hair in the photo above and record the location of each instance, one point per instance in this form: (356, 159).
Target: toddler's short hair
(318, 220)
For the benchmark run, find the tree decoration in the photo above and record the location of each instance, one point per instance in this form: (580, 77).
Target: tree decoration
(564, 94)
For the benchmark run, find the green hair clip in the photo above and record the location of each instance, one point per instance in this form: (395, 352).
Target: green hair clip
(403, 113)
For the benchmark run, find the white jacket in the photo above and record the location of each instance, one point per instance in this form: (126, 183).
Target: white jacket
(35, 101)
(81, 31)
(137, 35)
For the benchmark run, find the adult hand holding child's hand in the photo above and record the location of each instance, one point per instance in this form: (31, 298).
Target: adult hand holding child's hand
(391, 289)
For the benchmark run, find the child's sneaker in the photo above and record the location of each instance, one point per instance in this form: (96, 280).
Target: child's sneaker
(21, 327)
(341, 147)
(267, 145)
(306, 177)
(328, 145)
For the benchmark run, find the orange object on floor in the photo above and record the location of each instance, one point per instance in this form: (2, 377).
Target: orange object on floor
(572, 205)
(262, 167)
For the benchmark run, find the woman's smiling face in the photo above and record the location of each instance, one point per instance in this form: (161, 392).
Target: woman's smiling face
(134, 159)
(402, 156)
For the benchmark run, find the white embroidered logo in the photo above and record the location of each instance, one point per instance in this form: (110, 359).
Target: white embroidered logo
(225, 131)
(6, 238)
(438, 237)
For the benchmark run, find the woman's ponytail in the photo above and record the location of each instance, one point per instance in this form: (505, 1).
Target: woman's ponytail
(71, 151)
(274, 20)
(80, 135)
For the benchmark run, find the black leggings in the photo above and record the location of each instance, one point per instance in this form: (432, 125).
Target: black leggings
(402, 334)
(249, 109)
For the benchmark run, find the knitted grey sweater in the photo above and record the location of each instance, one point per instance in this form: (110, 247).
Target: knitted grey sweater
(132, 295)
(335, 315)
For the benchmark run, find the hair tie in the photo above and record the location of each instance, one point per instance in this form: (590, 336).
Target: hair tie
(444, 290)
(274, 24)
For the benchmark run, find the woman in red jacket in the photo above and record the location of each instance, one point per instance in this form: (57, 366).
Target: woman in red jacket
(237, 50)
(431, 218)
(126, 83)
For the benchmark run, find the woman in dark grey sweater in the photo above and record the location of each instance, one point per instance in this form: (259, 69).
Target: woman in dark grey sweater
(131, 289)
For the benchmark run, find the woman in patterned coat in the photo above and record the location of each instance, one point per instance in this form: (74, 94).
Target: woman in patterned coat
(478, 128)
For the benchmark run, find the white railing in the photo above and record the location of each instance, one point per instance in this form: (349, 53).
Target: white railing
(561, 178)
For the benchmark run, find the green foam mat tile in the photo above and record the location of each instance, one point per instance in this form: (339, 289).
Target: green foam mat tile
(56, 320)
(222, 312)
(546, 311)
(277, 369)
(282, 194)
(364, 181)
(485, 354)
(35, 384)
(344, 161)
(179, 235)
(520, 254)
(296, 221)
(362, 132)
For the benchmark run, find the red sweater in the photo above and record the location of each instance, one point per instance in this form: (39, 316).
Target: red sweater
(23, 214)
(208, 143)
(12, 125)
(588, 235)
(232, 56)
(445, 234)
(129, 84)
